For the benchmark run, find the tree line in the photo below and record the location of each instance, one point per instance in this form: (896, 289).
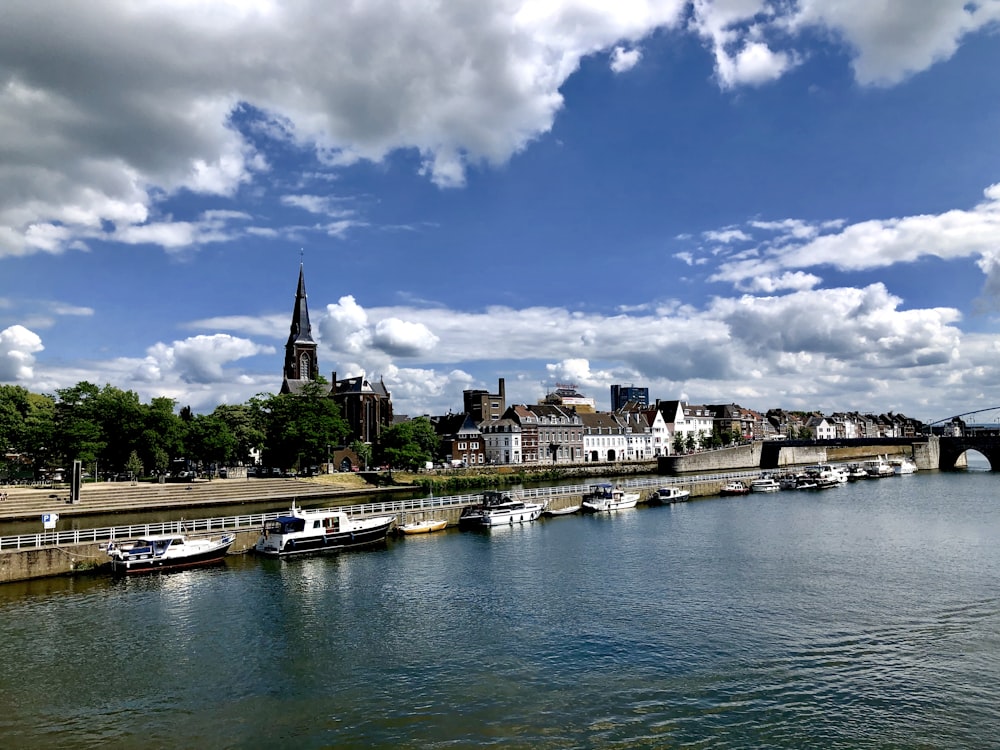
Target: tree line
(112, 432)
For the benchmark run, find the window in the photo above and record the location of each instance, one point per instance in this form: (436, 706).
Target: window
(304, 366)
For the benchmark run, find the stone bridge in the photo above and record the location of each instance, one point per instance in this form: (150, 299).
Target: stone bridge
(951, 449)
(928, 452)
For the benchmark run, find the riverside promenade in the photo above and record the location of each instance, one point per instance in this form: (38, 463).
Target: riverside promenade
(29, 503)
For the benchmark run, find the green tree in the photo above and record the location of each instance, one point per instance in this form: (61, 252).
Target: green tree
(162, 437)
(78, 435)
(246, 428)
(363, 451)
(209, 441)
(299, 427)
(691, 442)
(134, 465)
(409, 445)
(679, 442)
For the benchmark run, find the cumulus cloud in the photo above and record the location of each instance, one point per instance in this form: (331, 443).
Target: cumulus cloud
(623, 60)
(892, 40)
(876, 243)
(199, 359)
(18, 345)
(402, 338)
(107, 107)
(147, 100)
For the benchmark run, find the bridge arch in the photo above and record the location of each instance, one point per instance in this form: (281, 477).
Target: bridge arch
(952, 448)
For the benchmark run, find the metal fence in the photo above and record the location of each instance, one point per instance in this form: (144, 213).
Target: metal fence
(256, 520)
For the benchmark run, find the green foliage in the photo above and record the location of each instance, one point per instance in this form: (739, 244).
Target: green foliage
(246, 428)
(409, 445)
(134, 465)
(299, 427)
(363, 451)
(209, 440)
(679, 442)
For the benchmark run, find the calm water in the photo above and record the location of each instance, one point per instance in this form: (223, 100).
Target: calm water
(866, 616)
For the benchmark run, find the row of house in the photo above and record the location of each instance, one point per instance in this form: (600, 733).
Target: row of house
(557, 433)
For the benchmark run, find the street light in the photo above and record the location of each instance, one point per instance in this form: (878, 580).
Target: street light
(327, 458)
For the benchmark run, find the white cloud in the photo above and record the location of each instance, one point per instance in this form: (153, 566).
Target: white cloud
(797, 281)
(199, 359)
(897, 38)
(18, 345)
(623, 60)
(140, 101)
(402, 338)
(877, 243)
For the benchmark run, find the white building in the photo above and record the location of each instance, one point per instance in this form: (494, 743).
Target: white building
(502, 441)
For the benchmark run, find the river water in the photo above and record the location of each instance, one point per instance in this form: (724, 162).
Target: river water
(865, 616)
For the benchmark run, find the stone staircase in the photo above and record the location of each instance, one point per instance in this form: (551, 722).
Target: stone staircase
(113, 497)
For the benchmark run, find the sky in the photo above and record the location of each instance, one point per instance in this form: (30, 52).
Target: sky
(790, 204)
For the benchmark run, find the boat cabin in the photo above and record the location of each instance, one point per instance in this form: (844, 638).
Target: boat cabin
(321, 522)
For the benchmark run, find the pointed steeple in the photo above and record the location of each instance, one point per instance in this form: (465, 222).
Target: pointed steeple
(301, 331)
(300, 350)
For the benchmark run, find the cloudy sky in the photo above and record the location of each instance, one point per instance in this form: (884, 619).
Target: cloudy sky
(791, 204)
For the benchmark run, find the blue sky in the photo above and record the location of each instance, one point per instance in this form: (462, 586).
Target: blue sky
(779, 204)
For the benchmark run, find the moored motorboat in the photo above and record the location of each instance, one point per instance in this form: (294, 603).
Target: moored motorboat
(300, 531)
(423, 527)
(669, 494)
(856, 472)
(510, 512)
(606, 497)
(902, 465)
(764, 483)
(878, 467)
(734, 488)
(472, 515)
(166, 552)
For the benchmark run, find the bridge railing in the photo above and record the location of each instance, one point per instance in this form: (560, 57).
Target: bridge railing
(249, 521)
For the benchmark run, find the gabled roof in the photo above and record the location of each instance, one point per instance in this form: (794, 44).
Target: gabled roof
(603, 421)
(454, 424)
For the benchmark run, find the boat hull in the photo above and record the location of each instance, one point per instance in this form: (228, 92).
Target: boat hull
(328, 542)
(527, 514)
(152, 564)
(423, 527)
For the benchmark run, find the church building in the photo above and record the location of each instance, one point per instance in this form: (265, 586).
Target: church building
(366, 406)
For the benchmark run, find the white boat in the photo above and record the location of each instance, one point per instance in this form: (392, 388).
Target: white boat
(825, 476)
(765, 483)
(166, 552)
(855, 472)
(300, 531)
(424, 527)
(902, 465)
(473, 515)
(878, 467)
(734, 488)
(567, 511)
(605, 497)
(510, 512)
(669, 494)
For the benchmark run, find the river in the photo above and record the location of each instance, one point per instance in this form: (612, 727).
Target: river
(865, 616)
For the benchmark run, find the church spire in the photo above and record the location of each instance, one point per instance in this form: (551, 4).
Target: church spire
(301, 363)
(301, 331)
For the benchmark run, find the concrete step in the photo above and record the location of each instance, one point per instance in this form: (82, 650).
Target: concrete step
(112, 497)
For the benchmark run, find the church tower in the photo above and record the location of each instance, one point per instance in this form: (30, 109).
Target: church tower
(301, 364)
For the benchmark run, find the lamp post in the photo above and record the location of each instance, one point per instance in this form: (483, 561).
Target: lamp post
(328, 458)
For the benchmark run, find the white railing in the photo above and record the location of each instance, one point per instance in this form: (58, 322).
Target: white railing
(256, 520)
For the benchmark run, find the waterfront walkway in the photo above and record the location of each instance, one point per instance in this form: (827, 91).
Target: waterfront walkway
(117, 497)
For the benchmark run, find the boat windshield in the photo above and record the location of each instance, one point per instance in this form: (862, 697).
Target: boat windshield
(285, 525)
